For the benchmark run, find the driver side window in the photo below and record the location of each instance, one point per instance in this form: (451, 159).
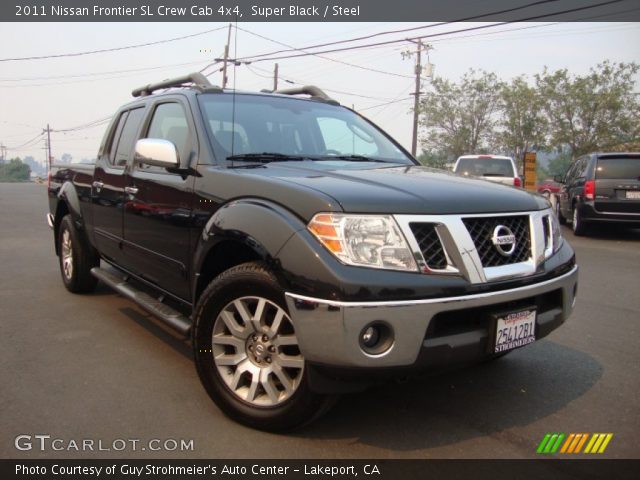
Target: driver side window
(339, 138)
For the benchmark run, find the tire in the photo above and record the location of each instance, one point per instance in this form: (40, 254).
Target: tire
(578, 225)
(561, 219)
(76, 258)
(254, 372)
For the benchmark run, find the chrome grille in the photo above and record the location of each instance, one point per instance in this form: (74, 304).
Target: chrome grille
(430, 246)
(481, 230)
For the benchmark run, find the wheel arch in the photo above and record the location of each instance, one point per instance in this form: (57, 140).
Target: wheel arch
(241, 231)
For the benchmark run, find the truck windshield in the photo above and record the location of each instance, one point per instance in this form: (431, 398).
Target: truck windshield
(266, 128)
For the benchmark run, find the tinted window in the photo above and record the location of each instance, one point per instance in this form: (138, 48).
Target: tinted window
(627, 168)
(170, 123)
(485, 167)
(128, 136)
(255, 124)
(111, 151)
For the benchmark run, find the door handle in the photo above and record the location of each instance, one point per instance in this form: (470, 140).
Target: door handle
(97, 185)
(131, 190)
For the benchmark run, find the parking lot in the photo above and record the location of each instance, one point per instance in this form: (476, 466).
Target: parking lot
(97, 367)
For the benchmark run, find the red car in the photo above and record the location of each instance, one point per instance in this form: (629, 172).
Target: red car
(547, 187)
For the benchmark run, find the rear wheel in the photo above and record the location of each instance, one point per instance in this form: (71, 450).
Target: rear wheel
(578, 225)
(77, 257)
(247, 352)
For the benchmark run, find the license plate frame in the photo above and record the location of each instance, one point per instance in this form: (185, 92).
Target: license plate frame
(513, 329)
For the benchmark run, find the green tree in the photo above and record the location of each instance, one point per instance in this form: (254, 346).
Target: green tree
(523, 124)
(559, 165)
(14, 171)
(433, 159)
(593, 112)
(460, 117)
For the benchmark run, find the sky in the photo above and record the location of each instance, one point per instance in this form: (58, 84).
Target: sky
(74, 91)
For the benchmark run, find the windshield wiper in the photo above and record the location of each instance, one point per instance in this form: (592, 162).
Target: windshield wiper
(351, 158)
(265, 157)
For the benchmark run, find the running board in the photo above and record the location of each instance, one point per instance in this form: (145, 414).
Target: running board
(164, 313)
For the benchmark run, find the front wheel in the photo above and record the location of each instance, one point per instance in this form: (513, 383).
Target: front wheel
(247, 353)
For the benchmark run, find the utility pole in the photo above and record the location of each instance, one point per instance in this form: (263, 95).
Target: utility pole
(48, 147)
(226, 58)
(420, 47)
(3, 153)
(275, 77)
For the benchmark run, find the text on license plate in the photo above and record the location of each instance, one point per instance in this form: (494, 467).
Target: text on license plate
(515, 329)
(633, 194)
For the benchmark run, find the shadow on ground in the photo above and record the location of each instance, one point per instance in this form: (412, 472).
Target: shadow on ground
(487, 399)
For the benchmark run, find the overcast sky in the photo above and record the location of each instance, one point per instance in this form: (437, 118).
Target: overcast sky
(31, 96)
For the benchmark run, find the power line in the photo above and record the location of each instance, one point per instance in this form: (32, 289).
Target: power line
(28, 143)
(390, 42)
(324, 58)
(95, 74)
(389, 32)
(126, 47)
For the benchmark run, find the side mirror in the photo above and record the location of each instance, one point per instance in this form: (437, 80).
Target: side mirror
(157, 152)
(558, 179)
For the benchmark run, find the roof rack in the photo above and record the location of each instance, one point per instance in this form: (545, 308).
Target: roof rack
(197, 80)
(314, 92)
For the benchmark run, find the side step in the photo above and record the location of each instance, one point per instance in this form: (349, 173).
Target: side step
(165, 313)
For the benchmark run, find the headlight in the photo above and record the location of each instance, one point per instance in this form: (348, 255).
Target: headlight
(553, 234)
(364, 240)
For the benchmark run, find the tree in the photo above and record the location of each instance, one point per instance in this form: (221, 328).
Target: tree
(14, 171)
(592, 112)
(460, 117)
(433, 159)
(559, 165)
(523, 124)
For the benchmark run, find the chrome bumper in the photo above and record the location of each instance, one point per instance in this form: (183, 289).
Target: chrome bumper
(328, 331)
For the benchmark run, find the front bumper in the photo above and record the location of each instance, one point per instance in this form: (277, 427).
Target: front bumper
(436, 331)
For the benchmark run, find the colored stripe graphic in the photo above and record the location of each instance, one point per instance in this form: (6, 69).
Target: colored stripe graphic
(573, 443)
(550, 443)
(598, 442)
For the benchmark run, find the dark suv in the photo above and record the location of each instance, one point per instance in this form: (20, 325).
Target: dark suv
(601, 188)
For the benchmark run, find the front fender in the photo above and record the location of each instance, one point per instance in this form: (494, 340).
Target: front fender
(262, 226)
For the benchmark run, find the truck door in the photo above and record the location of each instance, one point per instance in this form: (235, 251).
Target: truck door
(158, 204)
(109, 181)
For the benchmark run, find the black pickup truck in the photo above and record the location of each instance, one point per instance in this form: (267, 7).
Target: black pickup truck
(303, 250)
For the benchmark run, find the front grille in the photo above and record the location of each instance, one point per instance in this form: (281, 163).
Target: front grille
(481, 230)
(430, 246)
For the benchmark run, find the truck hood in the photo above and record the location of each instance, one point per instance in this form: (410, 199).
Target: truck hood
(373, 188)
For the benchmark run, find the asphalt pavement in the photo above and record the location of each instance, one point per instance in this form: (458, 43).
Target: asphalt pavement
(96, 367)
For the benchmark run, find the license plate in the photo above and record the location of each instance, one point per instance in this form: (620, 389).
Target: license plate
(515, 329)
(633, 194)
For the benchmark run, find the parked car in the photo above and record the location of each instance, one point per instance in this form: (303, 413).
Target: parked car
(601, 188)
(548, 187)
(303, 251)
(494, 168)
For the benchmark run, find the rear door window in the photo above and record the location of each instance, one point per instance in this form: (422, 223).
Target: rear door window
(618, 168)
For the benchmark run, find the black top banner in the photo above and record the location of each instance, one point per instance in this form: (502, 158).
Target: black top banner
(318, 10)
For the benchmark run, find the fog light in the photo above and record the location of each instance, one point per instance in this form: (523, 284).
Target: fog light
(376, 338)
(370, 336)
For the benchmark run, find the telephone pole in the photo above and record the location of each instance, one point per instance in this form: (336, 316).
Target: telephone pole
(420, 47)
(48, 147)
(226, 58)
(275, 77)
